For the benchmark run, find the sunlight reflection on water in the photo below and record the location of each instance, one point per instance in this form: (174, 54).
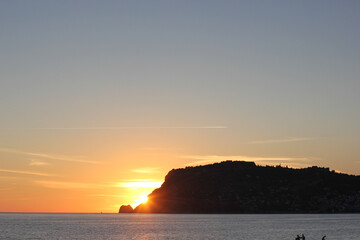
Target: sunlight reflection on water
(178, 226)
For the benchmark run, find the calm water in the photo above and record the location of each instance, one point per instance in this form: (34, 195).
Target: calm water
(178, 226)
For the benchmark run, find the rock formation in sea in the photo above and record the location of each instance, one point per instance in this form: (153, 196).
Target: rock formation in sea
(126, 209)
(244, 187)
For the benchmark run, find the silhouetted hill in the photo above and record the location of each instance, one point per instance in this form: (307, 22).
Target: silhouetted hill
(243, 187)
(126, 209)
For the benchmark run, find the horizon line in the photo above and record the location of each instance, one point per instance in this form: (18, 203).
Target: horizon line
(134, 127)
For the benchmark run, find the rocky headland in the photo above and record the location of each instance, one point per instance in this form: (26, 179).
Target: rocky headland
(244, 187)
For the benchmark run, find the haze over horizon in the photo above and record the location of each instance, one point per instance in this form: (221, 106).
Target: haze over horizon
(100, 99)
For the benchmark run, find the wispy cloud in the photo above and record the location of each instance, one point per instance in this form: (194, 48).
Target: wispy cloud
(139, 183)
(47, 156)
(285, 140)
(151, 149)
(208, 159)
(69, 185)
(26, 172)
(134, 184)
(9, 178)
(146, 170)
(106, 195)
(135, 127)
(34, 162)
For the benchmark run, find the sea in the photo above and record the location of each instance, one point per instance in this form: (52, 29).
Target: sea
(178, 226)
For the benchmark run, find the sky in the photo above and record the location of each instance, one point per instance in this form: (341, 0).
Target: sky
(100, 99)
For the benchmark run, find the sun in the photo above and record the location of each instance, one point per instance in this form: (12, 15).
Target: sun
(140, 200)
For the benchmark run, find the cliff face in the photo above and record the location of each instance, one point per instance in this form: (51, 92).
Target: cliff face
(243, 187)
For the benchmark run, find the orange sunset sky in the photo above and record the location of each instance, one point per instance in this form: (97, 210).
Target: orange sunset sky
(100, 99)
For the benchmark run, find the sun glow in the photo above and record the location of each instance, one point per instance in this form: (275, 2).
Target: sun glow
(140, 184)
(138, 201)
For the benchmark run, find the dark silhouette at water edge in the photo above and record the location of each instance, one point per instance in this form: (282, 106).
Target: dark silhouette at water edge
(244, 187)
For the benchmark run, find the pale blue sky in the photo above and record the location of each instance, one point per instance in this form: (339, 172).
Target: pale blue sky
(281, 77)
